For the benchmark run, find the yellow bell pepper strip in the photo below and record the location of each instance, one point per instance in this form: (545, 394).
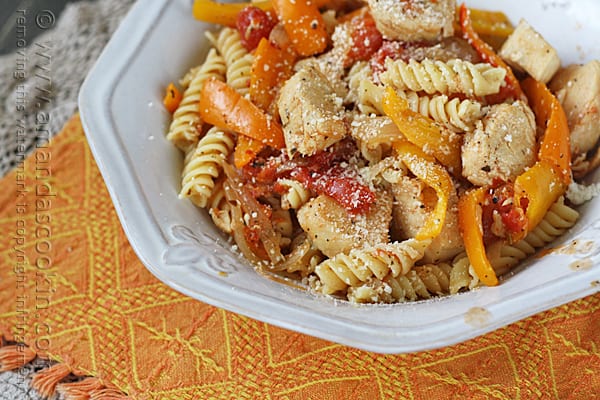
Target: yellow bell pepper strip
(487, 54)
(555, 147)
(304, 25)
(427, 169)
(493, 27)
(540, 186)
(222, 106)
(494, 23)
(423, 132)
(487, 23)
(172, 98)
(469, 221)
(223, 13)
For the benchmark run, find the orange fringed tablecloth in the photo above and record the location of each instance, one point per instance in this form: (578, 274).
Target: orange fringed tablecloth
(73, 291)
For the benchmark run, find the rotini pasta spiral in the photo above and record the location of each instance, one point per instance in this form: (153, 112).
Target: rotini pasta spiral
(559, 218)
(184, 130)
(454, 76)
(462, 274)
(421, 282)
(296, 195)
(363, 91)
(219, 208)
(204, 165)
(455, 114)
(360, 265)
(237, 58)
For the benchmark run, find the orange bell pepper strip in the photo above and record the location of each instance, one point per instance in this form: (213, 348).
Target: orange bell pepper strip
(222, 106)
(304, 25)
(172, 98)
(427, 169)
(469, 222)
(555, 147)
(223, 13)
(246, 150)
(271, 67)
(487, 54)
(422, 131)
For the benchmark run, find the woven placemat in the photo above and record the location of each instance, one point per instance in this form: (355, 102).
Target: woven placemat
(73, 291)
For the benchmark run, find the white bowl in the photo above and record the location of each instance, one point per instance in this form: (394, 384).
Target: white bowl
(122, 113)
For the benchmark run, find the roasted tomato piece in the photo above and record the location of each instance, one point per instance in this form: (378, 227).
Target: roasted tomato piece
(366, 39)
(501, 217)
(254, 24)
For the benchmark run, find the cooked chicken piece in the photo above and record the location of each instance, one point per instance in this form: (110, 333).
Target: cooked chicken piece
(526, 50)
(413, 203)
(577, 87)
(502, 145)
(311, 113)
(332, 64)
(414, 20)
(333, 230)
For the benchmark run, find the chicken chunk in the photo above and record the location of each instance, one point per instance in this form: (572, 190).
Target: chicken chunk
(526, 50)
(414, 20)
(501, 146)
(311, 113)
(577, 87)
(413, 203)
(333, 230)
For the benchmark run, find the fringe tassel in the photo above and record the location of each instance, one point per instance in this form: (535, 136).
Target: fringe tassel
(89, 389)
(107, 394)
(79, 390)
(15, 356)
(46, 380)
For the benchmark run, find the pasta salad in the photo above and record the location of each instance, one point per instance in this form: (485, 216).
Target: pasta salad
(383, 151)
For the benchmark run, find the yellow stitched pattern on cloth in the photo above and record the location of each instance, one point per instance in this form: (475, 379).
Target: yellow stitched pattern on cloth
(103, 314)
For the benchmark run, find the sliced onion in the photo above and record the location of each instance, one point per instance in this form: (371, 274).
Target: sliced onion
(256, 214)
